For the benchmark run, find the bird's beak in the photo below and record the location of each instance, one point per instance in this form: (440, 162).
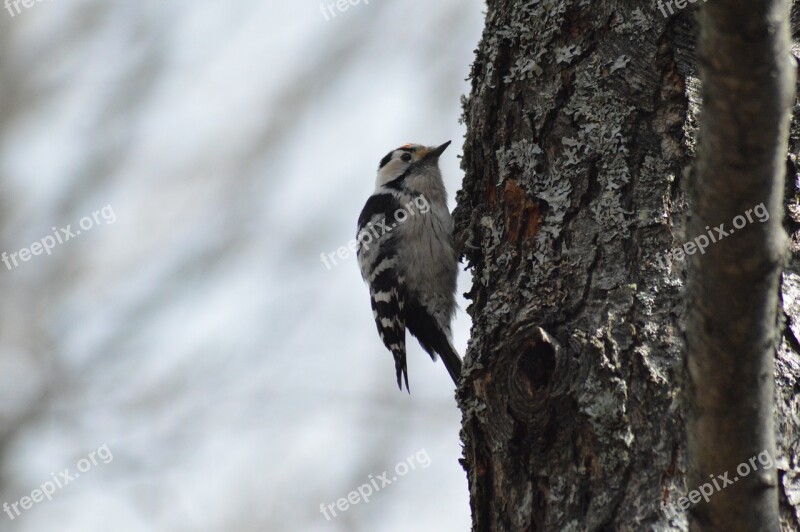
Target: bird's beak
(436, 152)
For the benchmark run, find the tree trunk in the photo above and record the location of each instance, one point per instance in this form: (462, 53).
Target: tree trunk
(747, 75)
(581, 131)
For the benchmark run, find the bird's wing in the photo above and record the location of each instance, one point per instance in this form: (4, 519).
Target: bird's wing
(377, 258)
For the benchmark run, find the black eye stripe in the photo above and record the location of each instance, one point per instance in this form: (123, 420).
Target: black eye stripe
(389, 155)
(386, 160)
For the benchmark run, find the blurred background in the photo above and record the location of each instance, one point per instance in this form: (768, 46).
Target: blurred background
(190, 336)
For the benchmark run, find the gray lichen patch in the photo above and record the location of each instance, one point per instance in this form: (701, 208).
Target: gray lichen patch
(602, 132)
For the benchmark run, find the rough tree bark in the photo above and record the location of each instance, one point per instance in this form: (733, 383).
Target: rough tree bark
(581, 130)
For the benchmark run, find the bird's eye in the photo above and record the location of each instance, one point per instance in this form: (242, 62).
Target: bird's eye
(406, 157)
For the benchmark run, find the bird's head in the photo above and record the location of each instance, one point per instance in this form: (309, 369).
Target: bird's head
(398, 162)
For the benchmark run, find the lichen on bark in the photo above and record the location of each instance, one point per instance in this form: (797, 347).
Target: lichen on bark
(581, 131)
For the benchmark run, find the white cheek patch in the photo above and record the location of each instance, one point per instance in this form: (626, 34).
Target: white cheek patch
(390, 172)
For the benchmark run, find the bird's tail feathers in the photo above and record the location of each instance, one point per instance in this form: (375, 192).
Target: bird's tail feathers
(433, 338)
(451, 361)
(401, 368)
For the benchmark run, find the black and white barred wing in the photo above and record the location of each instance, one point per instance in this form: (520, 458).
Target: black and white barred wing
(377, 258)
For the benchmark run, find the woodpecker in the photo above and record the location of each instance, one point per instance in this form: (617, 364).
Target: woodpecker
(407, 256)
